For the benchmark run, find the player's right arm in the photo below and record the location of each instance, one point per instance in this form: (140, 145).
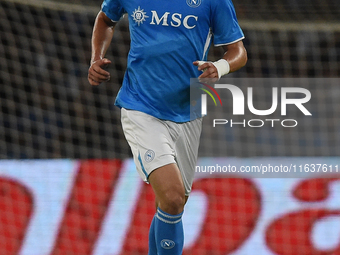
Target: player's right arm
(101, 38)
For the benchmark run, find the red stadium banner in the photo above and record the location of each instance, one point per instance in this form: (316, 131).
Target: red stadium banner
(102, 207)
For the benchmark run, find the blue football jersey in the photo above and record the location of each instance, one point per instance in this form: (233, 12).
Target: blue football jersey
(166, 37)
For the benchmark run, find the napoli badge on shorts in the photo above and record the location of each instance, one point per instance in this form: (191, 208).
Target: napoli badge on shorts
(149, 155)
(194, 3)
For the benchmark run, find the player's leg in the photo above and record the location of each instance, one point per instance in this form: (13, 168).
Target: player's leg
(186, 150)
(167, 184)
(158, 147)
(152, 147)
(170, 178)
(152, 234)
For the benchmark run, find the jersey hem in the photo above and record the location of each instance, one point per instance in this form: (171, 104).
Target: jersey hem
(182, 119)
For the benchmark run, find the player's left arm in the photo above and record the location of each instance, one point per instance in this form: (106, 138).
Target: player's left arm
(234, 58)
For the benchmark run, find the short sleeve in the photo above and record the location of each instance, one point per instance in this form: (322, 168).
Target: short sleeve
(113, 9)
(225, 26)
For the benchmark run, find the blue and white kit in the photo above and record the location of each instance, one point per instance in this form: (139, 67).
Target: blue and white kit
(166, 37)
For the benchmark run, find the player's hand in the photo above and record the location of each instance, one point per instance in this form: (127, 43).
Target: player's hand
(208, 68)
(97, 74)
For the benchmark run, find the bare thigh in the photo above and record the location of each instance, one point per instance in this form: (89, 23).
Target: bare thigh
(168, 186)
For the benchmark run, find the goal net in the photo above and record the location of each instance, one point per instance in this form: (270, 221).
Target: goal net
(50, 113)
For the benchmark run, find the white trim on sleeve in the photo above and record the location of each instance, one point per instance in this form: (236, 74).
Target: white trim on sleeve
(221, 44)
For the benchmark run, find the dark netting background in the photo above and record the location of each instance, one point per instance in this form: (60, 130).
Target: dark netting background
(49, 110)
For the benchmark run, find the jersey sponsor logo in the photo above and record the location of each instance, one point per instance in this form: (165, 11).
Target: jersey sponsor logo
(189, 21)
(167, 244)
(149, 155)
(167, 19)
(194, 3)
(139, 15)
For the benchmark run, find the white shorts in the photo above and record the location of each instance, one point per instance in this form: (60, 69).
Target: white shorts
(155, 143)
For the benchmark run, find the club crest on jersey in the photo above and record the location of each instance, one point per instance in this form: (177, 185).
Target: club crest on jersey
(139, 15)
(194, 3)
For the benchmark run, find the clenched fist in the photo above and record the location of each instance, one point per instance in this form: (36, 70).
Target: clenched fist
(97, 74)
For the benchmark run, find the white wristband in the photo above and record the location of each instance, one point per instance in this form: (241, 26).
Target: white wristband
(222, 67)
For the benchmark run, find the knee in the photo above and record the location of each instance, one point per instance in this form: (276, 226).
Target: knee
(173, 202)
